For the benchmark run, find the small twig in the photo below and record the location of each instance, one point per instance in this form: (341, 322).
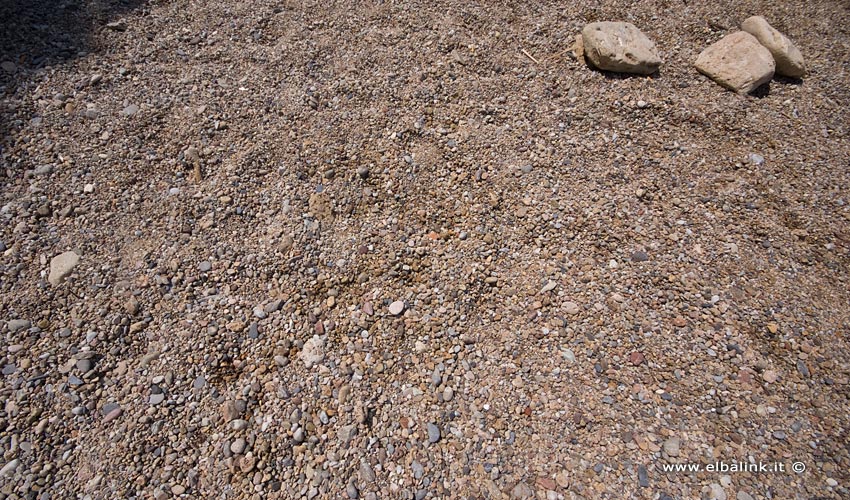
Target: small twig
(197, 172)
(530, 56)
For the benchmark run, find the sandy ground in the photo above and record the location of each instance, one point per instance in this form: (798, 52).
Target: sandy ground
(600, 276)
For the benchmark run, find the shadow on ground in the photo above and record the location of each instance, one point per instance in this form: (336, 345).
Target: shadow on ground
(37, 33)
(40, 33)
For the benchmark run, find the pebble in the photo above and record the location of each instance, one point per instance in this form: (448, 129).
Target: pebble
(156, 399)
(640, 256)
(571, 308)
(756, 159)
(351, 491)
(205, 266)
(130, 110)
(671, 446)
(716, 492)
(522, 490)
(10, 468)
(743, 495)
(643, 476)
(238, 446)
(433, 433)
(448, 394)
(367, 474)
(347, 433)
(396, 307)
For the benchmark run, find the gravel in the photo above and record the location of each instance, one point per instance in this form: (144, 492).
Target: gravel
(359, 237)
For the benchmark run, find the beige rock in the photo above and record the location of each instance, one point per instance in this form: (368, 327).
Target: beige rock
(617, 46)
(61, 267)
(738, 62)
(789, 60)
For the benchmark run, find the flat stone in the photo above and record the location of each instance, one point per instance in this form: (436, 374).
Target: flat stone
(621, 47)
(789, 61)
(17, 325)
(61, 267)
(737, 62)
(716, 492)
(156, 399)
(571, 308)
(347, 433)
(230, 410)
(433, 432)
(205, 266)
(643, 476)
(396, 307)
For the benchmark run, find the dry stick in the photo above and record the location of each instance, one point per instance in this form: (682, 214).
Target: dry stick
(197, 171)
(530, 56)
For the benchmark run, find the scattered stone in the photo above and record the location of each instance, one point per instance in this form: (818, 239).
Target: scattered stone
(396, 307)
(205, 266)
(156, 399)
(621, 47)
(671, 446)
(640, 256)
(448, 394)
(522, 490)
(43, 170)
(10, 468)
(788, 59)
(130, 110)
(643, 476)
(352, 491)
(433, 433)
(743, 495)
(737, 62)
(313, 352)
(231, 410)
(347, 433)
(8, 67)
(367, 474)
(571, 308)
(716, 492)
(770, 376)
(62, 266)
(636, 358)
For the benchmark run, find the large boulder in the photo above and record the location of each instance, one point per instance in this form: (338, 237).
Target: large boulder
(621, 47)
(738, 62)
(789, 60)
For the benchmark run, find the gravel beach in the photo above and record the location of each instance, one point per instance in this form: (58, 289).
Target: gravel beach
(418, 250)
